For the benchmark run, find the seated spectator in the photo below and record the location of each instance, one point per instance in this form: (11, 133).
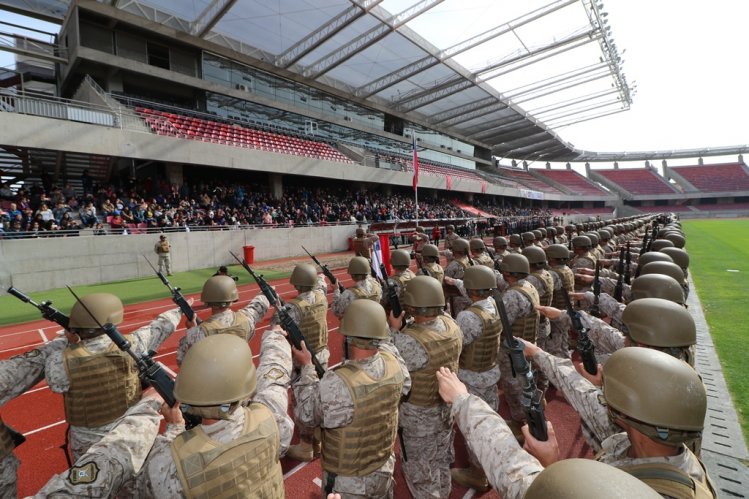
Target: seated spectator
(88, 215)
(107, 208)
(60, 210)
(5, 192)
(67, 222)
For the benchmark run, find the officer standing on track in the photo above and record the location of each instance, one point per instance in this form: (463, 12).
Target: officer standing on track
(363, 243)
(365, 286)
(219, 292)
(164, 249)
(356, 405)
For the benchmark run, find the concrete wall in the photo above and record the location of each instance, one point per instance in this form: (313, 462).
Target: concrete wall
(39, 264)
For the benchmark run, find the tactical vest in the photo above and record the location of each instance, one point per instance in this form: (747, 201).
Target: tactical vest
(102, 386)
(481, 355)
(245, 467)
(402, 279)
(6, 440)
(361, 294)
(525, 327)
(450, 239)
(365, 444)
(484, 259)
(436, 271)
(670, 481)
(548, 281)
(463, 263)
(240, 326)
(164, 247)
(361, 248)
(313, 323)
(568, 285)
(443, 349)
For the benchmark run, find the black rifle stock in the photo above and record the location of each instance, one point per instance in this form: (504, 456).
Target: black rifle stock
(177, 297)
(48, 311)
(295, 335)
(620, 279)
(393, 298)
(595, 310)
(325, 270)
(521, 368)
(150, 372)
(584, 345)
(628, 268)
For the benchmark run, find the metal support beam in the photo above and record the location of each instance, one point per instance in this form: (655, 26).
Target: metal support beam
(461, 110)
(324, 32)
(434, 94)
(500, 106)
(211, 15)
(367, 39)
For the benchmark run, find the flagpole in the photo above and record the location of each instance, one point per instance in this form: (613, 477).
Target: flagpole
(415, 160)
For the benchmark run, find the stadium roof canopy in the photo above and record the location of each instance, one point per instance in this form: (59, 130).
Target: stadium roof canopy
(503, 74)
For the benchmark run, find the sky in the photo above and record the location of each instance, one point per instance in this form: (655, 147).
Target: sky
(686, 57)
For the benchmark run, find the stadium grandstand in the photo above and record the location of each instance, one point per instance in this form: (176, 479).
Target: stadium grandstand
(265, 125)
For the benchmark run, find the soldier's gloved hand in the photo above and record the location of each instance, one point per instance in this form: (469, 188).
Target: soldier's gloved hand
(450, 386)
(550, 312)
(595, 379)
(546, 452)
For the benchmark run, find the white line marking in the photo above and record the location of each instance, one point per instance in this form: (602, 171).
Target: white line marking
(317, 481)
(294, 470)
(469, 494)
(44, 337)
(44, 428)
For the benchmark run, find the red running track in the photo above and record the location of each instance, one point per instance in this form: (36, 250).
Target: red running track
(39, 415)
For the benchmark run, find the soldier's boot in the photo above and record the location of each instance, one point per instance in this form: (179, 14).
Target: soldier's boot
(471, 477)
(303, 451)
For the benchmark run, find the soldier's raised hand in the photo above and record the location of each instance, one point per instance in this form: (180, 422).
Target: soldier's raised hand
(450, 386)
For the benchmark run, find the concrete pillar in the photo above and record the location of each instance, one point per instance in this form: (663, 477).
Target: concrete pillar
(569, 166)
(616, 165)
(275, 182)
(174, 173)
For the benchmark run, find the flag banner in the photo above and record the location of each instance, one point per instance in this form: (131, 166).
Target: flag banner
(483, 187)
(377, 258)
(448, 182)
(416, 163)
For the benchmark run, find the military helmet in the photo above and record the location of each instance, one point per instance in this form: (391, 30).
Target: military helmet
(400, 258)
(542, 230)
(515, 239)
(657, 286)
(364, 319)
(528, 237)
(593, 236)
(450, 227)
(573, 479)
(551, 231)
(516, 264)
(216, 370)
(655, 393)
(678, 255)
(604, 235)
(424, 291)
(659, 244)
(535, 255)
(219, 290)
(499, 242)
(430, 250)
(581, 242)
(461, 245)
(358, 266)
(479, 277)
(569, 228)
(360, 232)
(667, 268)
(653, 256)
(105, 307)
(558, 251)
(537, 234)
(476, 244)
(304, 274)
(420, 229)
(657, 322)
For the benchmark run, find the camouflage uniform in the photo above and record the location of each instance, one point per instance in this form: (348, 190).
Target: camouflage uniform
(559, 331)
(114, 459)
(327, 403)
(18, 374)
(484, 259)
(159, 477)
(363, 246)
(482, 384)
(427, 429)
(253, 312)
(368, 287)
(399, 283)
(419, 239)
(586, 261)
(435, 270)
(608, 306)
(509, 468)
(543, 281)
(608, 286)
(499, 256)
(145, 339)
(455, 269)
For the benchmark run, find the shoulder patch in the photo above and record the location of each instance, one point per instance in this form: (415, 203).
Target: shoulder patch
(274, 374)
(84, 474)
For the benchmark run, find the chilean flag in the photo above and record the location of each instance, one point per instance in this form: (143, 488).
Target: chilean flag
(416, 164)
(449, 182)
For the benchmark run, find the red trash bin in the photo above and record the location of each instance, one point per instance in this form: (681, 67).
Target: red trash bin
(351, 244)
(249, 254)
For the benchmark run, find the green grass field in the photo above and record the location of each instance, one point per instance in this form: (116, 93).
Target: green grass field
(719, 266)
(13, 311)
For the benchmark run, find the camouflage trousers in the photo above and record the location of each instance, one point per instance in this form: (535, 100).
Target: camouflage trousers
(376, 485)
(490, 395)
(542, 340)
(558, 343)
(428, 440)
(8, 469)
(305, 432)
(513, 389)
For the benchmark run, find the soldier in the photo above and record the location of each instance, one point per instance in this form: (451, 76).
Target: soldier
(500, 250)
(658, 401)
(431, 341)
(583, 258)
(564, 282)
(18, 374)
(676, 238)
(450, 238)
(356, 405)
(679, 257)
(218, 293)
(669, 269)
(431, 256)
(363, 243)
(245, 429)
(309, 310)
(515, 243)
(478, 252)
(400, 260)
(455, 270)
(659, 244)
(419, 239)
(163, 249)
(365, 286)
(98, 381)
(517, 472)
(529, 239)
(478, 366)
(542, 280)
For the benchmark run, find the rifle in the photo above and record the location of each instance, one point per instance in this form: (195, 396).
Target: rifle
(521, 368)
(177, 297)
(325, 270)
(150, 372)
(584, 345)
(620, 279)
(653, 235)
(628, 269)
(48, 311)
(595, 310)
(295, 335)
(393, 298)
